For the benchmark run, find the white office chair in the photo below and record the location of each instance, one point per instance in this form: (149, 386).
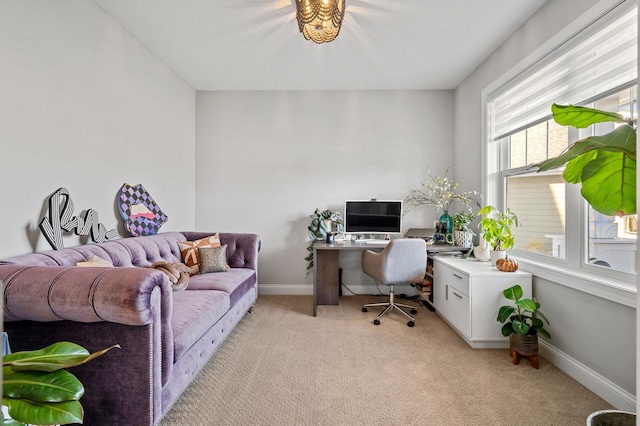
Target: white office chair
(403, 261)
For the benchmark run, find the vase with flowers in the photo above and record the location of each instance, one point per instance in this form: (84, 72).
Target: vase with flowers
(441, 192)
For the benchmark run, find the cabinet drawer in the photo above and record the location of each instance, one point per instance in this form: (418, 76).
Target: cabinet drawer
(459, 306)
(452, 277)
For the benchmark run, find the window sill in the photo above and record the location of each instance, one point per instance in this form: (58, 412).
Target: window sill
(615, 290)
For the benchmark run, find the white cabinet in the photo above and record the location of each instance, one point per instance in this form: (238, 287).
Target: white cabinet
(467, 294)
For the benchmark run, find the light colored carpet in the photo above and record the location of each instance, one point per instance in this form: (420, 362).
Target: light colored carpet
(282, 366)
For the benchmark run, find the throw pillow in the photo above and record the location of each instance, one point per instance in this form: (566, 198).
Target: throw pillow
(95, 261)
(213, 259)
(189, 250)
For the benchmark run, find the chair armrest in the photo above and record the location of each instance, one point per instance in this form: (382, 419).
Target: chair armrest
(53, 293)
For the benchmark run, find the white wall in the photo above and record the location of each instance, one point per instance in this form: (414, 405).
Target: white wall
(592, 339)
(86, 107)
(266, 160)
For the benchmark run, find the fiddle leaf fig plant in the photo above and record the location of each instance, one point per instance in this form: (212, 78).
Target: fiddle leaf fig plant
(322, 223)
(605, 165)
(37, 388)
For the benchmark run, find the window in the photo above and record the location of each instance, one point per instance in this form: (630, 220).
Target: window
(597, 68)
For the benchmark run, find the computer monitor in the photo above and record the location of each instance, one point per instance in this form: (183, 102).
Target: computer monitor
(373, 217)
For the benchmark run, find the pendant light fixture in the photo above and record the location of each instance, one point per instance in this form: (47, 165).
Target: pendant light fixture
(320, 20)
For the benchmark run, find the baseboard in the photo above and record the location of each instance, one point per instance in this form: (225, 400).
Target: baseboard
(601, 386)
(286, 289)
(307, 289)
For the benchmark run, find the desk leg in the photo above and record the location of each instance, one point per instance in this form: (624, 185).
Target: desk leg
(325, 282)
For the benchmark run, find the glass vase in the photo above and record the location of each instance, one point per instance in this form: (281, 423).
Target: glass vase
(446, 217)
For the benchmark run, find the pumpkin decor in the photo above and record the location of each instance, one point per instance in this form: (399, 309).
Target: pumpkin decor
(507, 265)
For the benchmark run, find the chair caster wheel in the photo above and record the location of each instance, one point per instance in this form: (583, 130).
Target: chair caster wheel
(410, 323)
(376, 322)
(413, 312)
(364, 309)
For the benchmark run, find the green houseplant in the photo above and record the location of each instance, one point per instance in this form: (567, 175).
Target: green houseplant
(495, 227)
(37, 388)
(462, 233)
(605, 166)
(522, 323)
(323, 223)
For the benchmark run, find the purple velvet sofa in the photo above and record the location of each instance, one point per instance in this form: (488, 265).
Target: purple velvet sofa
(166, 336)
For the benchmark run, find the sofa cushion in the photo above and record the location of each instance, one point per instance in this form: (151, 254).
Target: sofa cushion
(194, 312)
(236, 282)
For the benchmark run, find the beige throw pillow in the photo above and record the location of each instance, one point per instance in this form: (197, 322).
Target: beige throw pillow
(96, 261)
(190, 254)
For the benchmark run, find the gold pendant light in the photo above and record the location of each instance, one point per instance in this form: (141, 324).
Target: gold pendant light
(320, 20)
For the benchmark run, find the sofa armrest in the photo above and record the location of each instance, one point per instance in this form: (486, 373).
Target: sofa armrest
(54, 293)
(242, 248)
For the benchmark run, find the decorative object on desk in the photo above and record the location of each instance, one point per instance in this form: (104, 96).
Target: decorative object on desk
(522, 325)
(61, 219)
(605, 165)
(441, 193)
(482, 252)
(38, 390)
(463, 235)
(496, 229)
(323, 224)
(506, 265)
(141, 214)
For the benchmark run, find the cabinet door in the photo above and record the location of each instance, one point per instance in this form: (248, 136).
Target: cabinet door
(460, 311)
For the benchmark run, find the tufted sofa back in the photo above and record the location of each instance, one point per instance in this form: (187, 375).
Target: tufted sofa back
(138, 251)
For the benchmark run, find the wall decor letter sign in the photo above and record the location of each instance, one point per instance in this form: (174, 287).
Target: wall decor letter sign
(61, 218)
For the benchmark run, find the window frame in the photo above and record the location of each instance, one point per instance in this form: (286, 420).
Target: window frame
(574, 271)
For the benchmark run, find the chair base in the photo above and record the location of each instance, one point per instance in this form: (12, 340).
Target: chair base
(390, 305)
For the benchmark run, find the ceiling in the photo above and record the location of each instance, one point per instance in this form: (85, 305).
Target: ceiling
(383, 44)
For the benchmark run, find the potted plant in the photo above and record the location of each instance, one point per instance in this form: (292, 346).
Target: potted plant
(37, 389)
(323, 224)
(522, 325)
(605, 165)
(463, 235)
(495, 227)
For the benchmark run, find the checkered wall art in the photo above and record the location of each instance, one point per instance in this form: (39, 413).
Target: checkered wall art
(141, 214)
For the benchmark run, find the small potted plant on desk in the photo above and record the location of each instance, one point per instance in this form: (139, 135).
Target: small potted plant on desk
(323, 224)
(495, 227)
(522, 325)
(463, 236)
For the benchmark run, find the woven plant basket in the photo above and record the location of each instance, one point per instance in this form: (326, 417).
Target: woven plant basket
(524, 344)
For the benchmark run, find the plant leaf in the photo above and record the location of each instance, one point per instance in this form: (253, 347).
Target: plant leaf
(527, 305)
(54, 357)
(513, 293)
(573, 172)
(42, 386)
(507, 329)
(504, 313)
(521, 327)
(609, 183)
(544, 332)
(582, 117)
(44, 413)
(622, 139)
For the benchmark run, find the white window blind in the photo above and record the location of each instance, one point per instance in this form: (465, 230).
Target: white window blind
(599, 59)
